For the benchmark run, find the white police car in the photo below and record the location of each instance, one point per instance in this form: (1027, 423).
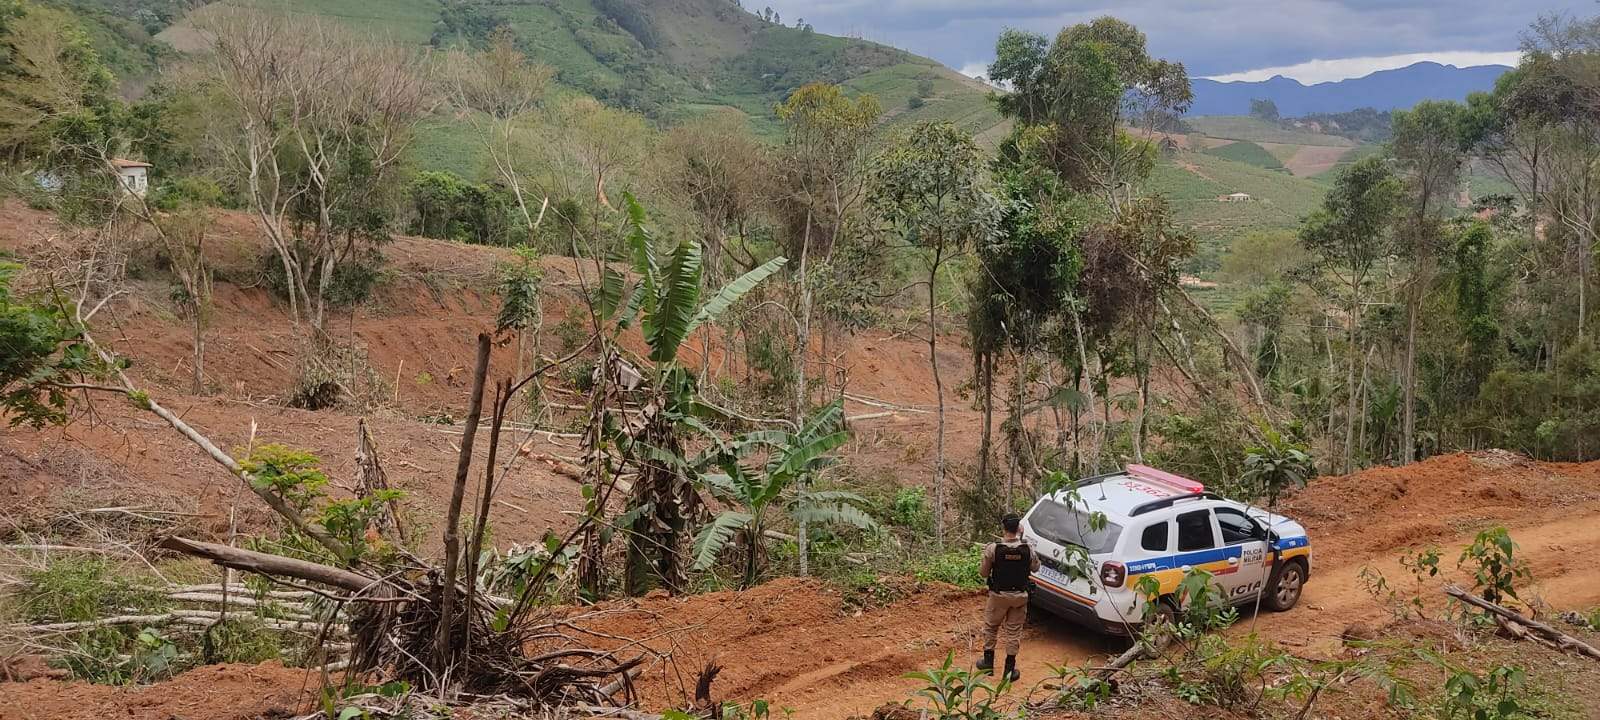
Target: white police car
(1161, 525)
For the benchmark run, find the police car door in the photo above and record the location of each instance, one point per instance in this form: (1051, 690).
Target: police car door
(1246, 547)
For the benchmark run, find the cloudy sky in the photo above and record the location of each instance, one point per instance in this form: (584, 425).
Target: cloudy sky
(1310, 40)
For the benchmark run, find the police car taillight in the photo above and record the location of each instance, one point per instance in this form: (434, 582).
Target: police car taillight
(1113, 574)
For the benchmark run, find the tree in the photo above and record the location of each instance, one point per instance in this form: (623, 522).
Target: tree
(500, 87)
(1264, 109)
(720, 171)
(1428, 142)
(1475, 304)
(1081, 90)
(781, 483)
(321, 119)
(819, 188)
(929, 185)
(54, 89)
(1350, 235)
(666, 302)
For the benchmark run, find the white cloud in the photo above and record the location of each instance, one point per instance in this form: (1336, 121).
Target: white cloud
(1316, 71)
(979, 70)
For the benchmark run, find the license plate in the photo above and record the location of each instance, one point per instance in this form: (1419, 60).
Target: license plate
(1053, 576)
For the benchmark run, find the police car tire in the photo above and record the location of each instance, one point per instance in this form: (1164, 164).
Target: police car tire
(1280, 598)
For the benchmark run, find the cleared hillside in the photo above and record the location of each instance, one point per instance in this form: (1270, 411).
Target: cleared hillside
(669, 59)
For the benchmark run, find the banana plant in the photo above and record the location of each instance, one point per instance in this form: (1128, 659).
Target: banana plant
(665, 300)
(666, 296)
(756, 496)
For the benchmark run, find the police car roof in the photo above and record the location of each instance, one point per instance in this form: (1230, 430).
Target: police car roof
(1119, 494)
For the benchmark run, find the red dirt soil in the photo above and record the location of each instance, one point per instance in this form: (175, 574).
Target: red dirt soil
(790, 641)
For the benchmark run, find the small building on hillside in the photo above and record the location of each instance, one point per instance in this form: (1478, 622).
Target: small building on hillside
(1235, 197)
(134, 175)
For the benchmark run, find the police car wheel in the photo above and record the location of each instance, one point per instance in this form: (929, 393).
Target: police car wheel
(1286, 587)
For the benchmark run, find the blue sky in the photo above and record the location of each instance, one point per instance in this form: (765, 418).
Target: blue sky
(1311, 40)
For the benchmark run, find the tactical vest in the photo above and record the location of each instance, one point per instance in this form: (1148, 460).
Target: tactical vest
(1011, 567)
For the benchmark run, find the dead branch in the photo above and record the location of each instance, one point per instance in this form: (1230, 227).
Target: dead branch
(1561, 639)
(268, 564)
(443, 650)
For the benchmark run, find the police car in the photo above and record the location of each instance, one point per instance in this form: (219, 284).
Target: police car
(1161, 525)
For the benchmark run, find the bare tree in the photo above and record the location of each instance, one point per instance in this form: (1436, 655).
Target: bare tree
(321, 118)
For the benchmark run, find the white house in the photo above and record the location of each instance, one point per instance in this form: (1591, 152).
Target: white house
(1235, 197)
(134, 175)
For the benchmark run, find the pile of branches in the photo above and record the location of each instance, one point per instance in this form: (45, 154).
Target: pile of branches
(431, 625)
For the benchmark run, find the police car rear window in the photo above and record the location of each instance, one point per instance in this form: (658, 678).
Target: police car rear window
(1064, 526)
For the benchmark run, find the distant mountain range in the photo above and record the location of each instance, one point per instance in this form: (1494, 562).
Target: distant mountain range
(1395, 89)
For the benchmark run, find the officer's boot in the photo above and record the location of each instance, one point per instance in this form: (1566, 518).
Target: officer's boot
(1011, 673)
(986, 663)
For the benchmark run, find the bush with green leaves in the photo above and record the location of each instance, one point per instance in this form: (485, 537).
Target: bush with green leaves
(781, 483)
(1275, 465)
(43, 349)
(949, 692)
(76, 588)
(296, 476)
(1496, 571)
(1499, 694)
(957, 566)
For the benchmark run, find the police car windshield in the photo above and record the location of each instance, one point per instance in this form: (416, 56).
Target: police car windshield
(1064, 526)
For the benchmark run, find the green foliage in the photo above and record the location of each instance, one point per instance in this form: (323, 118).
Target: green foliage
(77, 588)
(351, 520)
(928, 183)
(1276, 465)
(909, 510)
(1496, 571)
(445, 206)
(1500, 694)
(783, 482)
(43, 350)
(1248, 153)
(291, 474)
(114, 658)
(241, 639)
(520, 282)
(954, 693)
(957, 566)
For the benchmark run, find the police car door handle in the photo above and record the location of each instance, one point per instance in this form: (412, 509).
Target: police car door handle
(1233, 561)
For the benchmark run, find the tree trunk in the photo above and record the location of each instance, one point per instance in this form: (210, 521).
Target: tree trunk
(1409, 422)
(938, 388)
(199, 360)
(986, 376)
(452, 518)
(1350, 388)
(269, 564)
(802, 346)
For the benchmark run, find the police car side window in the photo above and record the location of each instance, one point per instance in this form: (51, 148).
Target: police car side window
(1194, 531)
(1236, 528)
(1154, 538)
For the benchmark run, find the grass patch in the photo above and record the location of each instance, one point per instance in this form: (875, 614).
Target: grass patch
(1248, 153)
(74, 589)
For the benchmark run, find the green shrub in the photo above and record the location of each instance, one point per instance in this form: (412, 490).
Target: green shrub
(240, 639)
(187, 191)
(74, 589)
(957, 567)
(1496, 571)
(910, 510)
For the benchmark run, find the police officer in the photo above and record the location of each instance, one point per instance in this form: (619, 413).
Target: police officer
(1006, 565)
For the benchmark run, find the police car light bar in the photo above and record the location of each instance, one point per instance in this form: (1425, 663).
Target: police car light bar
(1145, 472)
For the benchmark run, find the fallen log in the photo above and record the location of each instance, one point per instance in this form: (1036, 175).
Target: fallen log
(1561, 639)
(189, 617)
(268, 564)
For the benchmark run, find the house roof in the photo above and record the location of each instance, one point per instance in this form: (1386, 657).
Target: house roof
(122, 164)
